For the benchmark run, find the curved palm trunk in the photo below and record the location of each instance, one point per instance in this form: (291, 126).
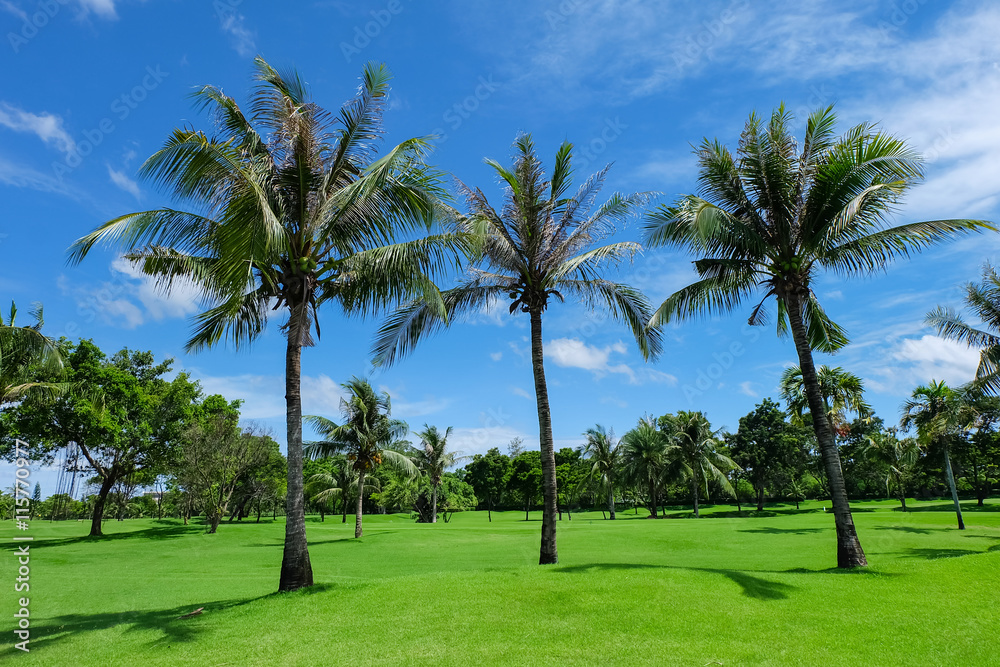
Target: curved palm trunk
(611, 500)
(849, 551)
(547, 554)
(954, 491)
(296, 570)
(434, 504)
(361, 495)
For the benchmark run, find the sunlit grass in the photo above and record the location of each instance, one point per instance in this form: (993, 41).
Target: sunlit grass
(722, 589)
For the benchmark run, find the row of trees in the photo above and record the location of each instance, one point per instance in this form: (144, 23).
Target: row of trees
(289, 207)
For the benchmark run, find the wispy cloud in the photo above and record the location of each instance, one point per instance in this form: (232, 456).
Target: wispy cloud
(11, 8)
(103, 8)
(46, 126)
(124, 182)
(233, 23)
(574, 353)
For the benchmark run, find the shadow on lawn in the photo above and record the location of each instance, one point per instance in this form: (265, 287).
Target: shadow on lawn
(950, 507)
(753, 586)
(166, 621)
(164, 532)
(771, 530)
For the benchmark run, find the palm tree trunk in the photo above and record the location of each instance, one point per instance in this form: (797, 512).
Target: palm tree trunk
(652, 498)
(849, 551)
(361, 495)
(548, 554)
(611, 501)
(434, 504)
(694, 488)
(951, 484)
(296, 570)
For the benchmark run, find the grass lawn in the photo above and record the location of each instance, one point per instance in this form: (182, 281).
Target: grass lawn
(722, 590)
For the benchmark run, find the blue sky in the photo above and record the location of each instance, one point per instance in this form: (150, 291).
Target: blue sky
(92, 87)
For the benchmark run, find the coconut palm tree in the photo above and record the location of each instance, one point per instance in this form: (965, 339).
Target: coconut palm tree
(934, 410)
(433, 458)
(696, 451)
(538, 248)
(286, 208)
(606, 461)
(771, 218)
(26, 355)
(341, 482)
(841, 390)
(983, 299)
(646, 450)
(899, 456)
(367, 436)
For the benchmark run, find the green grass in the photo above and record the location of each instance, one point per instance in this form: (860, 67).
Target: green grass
(721, 590)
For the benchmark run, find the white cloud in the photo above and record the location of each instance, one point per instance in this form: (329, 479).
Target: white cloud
(517, 391)
(11, 8)
(263, 396)
(124, 182)
(496, 356)
(103, 8)
(748, 389)
(909, 362)
(181, 301)
(574, 353)
(22, 176)
(834, 295)
(46, 126)
(234, 23)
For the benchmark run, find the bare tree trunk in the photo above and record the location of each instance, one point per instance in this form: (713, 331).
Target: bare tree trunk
(760, 499)
(489, 508)
(357, 513)
(296, 570)
(951, 484)
(652, 498)
(849, 551)
(548, 553)
(99, 504)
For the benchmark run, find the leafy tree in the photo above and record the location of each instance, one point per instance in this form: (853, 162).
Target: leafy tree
(526, 478)
(646, 451)
(288, 207)
(366, 436)
(696, 448)
(433, 458)
(124, 416)
(767, 448)
(772, 217)
(983, 299)
(336, 478)
(570, 477)
(934, 410)
(456, 496)
(539, 247)
(979, 449)
(488, 475)
(606, 459)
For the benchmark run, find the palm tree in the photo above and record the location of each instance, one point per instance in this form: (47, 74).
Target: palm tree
(26, 355)
(538, 248)
(289, 209)
(899, 456)
(934, 410)
(696, 450)
(341, 482)
(772, 217)
(366, 436)
(645, 450)
(606, 461)
(433, 458)
(984, 300)
(841, 390)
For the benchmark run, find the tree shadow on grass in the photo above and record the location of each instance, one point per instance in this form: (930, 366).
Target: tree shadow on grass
(333, 540)
(164, 532)
(753, 586)
(912, 529)
(970, 506)
(166, 621)
(771, 530)
(934, 554)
